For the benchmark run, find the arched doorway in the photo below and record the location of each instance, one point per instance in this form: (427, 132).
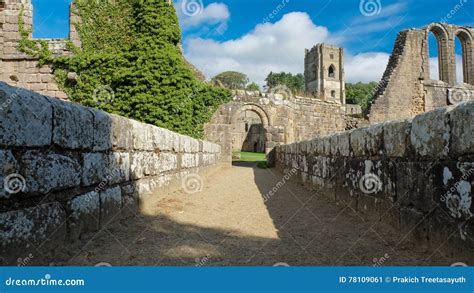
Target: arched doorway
(249, 127)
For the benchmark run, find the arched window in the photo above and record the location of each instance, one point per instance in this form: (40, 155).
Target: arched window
(313, 71)
(461, 44)
(437, 41)
(333, 94)
(433, 49)
(332, 71)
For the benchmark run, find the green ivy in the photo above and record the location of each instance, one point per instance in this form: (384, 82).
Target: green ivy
(130, 64)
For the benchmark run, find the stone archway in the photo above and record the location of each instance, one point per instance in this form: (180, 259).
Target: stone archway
(466, 40)
(265, 122)
(443, 49)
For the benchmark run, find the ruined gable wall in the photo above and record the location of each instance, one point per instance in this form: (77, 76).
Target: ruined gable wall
(22, 70)
(393, 98)
(406, 88)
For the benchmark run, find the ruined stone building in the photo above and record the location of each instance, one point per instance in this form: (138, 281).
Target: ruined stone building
(406, 88)
(20, 69)
(324, 73)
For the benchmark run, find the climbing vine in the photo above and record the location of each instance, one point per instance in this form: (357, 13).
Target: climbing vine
(130, 64)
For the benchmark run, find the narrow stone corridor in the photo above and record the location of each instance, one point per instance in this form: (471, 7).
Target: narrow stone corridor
(236, 220)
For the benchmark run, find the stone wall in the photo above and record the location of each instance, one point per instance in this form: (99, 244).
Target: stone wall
(285, 119)
(406, 88)
(66, 170)
(417, 175)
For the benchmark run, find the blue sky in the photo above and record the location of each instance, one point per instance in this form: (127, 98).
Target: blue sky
(256, 36)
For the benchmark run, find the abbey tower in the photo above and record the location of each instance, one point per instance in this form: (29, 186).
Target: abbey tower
(324, 73)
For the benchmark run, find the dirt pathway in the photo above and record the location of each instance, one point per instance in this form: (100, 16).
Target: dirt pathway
(230, 223)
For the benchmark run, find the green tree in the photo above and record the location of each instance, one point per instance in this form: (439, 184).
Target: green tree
(140, 74)
(294, 82)
(360, 93)
(231, 80)
(253, 87)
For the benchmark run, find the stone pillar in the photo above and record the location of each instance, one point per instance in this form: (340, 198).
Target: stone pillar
(73, 20)
(449, 59)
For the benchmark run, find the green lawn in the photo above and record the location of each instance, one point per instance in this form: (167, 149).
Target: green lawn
(259, 158)
(252, 157)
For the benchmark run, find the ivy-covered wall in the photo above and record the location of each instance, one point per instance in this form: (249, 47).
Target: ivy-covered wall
(130, 64)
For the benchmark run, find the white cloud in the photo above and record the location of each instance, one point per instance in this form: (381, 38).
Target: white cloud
(277, 47)
(365, 67)
(192, 13)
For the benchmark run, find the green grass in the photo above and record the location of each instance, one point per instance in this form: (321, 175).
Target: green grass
(258, 158)
(252, 157)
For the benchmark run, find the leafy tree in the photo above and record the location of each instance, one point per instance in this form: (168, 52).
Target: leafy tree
(130, 56)
(294, 82)
(231, 79)
(360, 93)
(253, 87)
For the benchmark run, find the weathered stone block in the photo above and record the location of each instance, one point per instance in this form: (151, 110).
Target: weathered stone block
(122, 138)
(188, 144)
(142, 136)
(95, 168)
(430, 134)
(189, 160)
(396, 138)
(415, 186)
(45, 172)
(326, 145)
(25, 118)
(102, 131)
(462, 133)
(374, 139)
(343, 144)
(358, 142)
(84, 214)
(8, 168)
(453, 184)
(139, 165)
(72, 126)
(41, 226)
(110, 205)
(119, 167)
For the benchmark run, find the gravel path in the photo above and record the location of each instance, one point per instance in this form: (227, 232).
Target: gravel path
(230, 223)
